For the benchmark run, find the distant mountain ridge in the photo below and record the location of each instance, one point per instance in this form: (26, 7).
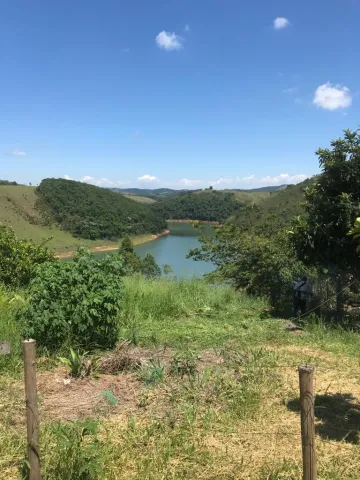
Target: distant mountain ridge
(158, 193)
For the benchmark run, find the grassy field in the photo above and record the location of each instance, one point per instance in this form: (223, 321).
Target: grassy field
(140, 199)
(204, 387)
(18, 210)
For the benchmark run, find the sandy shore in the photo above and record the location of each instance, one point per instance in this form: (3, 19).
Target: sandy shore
(112, 248)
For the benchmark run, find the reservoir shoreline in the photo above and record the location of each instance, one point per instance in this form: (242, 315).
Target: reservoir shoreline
(140, 240)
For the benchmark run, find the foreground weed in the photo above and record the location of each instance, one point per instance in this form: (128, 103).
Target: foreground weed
(184, 364)
(72, 452)
(153, 372)
(80, 364)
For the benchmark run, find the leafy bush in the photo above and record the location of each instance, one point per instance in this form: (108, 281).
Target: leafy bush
(75, 302)
(18, 258)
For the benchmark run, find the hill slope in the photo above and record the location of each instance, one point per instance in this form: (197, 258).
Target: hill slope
(206, 205)
(94, 213)
(285, 204)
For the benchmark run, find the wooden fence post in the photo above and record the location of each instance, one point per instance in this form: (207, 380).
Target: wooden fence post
(307, 422)
(32, 413)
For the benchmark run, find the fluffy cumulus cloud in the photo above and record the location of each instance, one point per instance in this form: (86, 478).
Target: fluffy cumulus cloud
(18, 153)
(332, 97)
(280, 23)
(66, 177)
(169, 41)
(148, 178)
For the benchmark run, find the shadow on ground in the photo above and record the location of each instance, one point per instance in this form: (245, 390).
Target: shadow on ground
(339, 415)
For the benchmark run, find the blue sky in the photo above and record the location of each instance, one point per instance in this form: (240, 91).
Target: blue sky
(177, 93)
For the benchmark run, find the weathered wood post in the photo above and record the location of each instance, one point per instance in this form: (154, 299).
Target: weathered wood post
(307, 422)
(32, 413)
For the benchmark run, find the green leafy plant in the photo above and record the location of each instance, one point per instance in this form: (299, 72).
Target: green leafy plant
(19, 258)
(75, 302)
(80, 364)
(152, 372)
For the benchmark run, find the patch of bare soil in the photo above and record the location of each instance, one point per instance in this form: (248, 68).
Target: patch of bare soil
(65, 398)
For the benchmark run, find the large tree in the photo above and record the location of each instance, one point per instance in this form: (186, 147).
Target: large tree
(332, 204)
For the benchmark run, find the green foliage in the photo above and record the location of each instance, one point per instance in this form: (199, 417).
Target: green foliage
(80, 364)
(355, 232)
(332, 204)
(152, 372)
(167, 269)
(75, 453)
(281, 206)
(261, 265)
(132, 262)
(6, 182)
(75, 302)
(95, 213)
(149, 267)
(19, 258)
(209, 205)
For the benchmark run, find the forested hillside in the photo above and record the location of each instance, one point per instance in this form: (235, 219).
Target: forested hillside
(94, 213)
(207, 205)
(284, 204)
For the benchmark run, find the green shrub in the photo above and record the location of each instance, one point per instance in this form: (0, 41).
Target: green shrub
(75, 302)
(19, 258)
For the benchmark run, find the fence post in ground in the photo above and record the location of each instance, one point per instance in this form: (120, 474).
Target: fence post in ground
(32, 413)
(307, 422)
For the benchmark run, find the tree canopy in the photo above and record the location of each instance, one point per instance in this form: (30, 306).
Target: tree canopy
(93, 212)
(209, 205)
(332, 204)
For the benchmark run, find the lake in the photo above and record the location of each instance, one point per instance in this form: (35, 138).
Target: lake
(172, 249)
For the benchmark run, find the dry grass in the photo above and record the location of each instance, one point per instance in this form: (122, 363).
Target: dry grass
(236, 418)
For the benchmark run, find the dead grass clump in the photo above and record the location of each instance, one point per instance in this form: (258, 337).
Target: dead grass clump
(123, 358)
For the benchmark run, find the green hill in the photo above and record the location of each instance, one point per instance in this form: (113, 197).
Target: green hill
(285, 204)
(18, 210)
(94, 213)
(205, 205)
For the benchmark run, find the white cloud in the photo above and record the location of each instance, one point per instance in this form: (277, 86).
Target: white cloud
(169, 41)
(280, 23)
(99, 182)
(283, 179)
(187, 28)
(18, 153)
(66, 177)
(148, 178)
(332, 97)
(186, 182)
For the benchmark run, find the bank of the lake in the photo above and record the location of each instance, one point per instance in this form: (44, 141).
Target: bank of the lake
(109, 246)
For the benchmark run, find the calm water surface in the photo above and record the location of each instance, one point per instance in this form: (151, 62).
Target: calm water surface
(173, 248)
